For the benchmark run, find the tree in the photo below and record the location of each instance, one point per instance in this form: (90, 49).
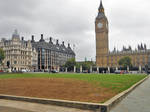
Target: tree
(125, 62)
(70, 64)
(2, 55)
(85, 65)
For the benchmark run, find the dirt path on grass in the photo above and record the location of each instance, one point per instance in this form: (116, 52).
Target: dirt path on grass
(55, 88)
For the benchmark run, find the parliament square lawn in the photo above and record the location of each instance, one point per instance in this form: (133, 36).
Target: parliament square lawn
(95, 88)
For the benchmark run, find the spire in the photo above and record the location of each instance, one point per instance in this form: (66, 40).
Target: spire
(139, 48)
(15, 34)
(142, 48)
(145, 47)
(101, 13)
(101, 8)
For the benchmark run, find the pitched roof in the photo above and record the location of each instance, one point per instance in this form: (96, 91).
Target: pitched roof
(53, 47)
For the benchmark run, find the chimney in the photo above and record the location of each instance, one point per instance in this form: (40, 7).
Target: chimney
(57, 42)
(32, 38)
(63, 43)
(50, 40)
(68, 45)
(42, 39)
(22, 38)
(41, 36)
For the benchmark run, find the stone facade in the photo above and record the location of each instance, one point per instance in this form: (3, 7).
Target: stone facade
(19, 53)
(138, 57)
(101, 29)
(51, 56)
(105, 58)
(35, 55)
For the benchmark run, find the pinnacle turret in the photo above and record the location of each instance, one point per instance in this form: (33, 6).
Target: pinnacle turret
(101, 8)
(101, 13)
(15, 34)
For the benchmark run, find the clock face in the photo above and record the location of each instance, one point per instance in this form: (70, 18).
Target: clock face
(99, 25)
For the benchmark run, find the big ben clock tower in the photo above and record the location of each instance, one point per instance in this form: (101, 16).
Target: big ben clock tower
(101, 29)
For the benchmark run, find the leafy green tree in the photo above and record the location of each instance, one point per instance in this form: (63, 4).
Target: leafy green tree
(70, 64)
(2, 55)
(78, 65)
(86, 65)
(125, 62)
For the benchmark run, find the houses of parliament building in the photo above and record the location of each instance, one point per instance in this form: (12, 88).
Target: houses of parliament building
(104, 58)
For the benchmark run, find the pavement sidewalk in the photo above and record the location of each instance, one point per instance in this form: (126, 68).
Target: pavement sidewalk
(137, 101)
(20, 106)
(8, 109)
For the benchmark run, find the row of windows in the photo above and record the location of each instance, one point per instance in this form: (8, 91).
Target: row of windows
(15, 47)
(134, 64)
(22, 62)
(137, 58)
(18, 57)
(46, 52)
(52, 60)
(18, 52)
(48, 58)
(9, 44)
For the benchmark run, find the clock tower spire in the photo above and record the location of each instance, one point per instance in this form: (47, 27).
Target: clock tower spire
(101, 8)
(101, 30)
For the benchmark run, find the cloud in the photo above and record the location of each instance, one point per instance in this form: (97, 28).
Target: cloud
(129, 22)
(72, 21)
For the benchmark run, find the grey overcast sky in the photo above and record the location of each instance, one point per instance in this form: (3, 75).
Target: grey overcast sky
(73, 22)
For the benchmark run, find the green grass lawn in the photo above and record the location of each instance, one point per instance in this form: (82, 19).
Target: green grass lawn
(117, 83)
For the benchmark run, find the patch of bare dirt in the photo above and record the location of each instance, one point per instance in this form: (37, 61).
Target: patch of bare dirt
(55, 88)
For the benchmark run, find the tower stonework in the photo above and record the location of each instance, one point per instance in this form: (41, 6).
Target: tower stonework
(101, 30)
(107, 61)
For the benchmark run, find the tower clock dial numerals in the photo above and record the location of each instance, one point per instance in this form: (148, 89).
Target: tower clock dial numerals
(99, 25)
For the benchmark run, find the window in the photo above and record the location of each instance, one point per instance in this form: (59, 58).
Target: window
(15, 62)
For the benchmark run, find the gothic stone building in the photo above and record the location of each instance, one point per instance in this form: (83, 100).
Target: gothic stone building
(51, 56)
(19, 54)
(104, 58)
(32, 55)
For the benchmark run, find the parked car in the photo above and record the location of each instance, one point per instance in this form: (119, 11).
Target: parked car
(54, 71)
(119, 72)
(1, 71)
(15, 71)
(85, 71)
(24, 70)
